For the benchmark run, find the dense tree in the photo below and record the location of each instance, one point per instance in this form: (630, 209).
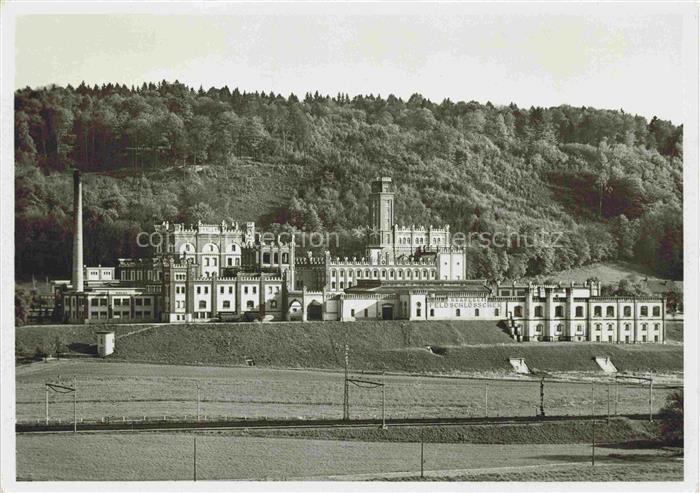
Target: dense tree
(607, 183)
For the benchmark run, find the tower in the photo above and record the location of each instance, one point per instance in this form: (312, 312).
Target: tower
(381, 213)
(77, 232)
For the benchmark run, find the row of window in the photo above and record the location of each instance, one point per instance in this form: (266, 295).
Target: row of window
(120, 301)
(120, 314)
(597, 327)
(377, 274)
(597, 311)
(275, 258)
(416, 241)
(226, 304)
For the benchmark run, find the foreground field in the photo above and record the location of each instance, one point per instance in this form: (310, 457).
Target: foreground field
(169, 456)
(134, 391)
(464, 347)
(660, 471)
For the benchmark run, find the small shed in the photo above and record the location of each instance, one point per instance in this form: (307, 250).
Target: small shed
(105, 343)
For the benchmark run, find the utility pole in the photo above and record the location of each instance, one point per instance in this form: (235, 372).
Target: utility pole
(593, 399)
(197, 402)
(383, 402)
(542, 397)
(194, 459)
(46, 400)
(75, 412)
(651, 397)
(486, 400)
(617, 394)
(346, 396)
(608, 402)
(421, 453)
(593, 445)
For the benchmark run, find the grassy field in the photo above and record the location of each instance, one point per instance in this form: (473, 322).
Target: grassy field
(169, 456)
(612, 272)
(136, 390)
(658, 471)
(475, 347)
(618, 430)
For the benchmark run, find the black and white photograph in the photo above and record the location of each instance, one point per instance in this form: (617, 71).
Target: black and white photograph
(346, 246)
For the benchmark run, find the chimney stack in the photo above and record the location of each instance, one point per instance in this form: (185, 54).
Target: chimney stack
(77, 232)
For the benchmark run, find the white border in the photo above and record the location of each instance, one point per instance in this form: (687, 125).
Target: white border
(10, 10)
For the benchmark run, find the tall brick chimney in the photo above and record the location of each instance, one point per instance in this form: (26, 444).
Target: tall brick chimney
(77, 232)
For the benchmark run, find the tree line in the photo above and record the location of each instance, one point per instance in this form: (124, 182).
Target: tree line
(610, 181)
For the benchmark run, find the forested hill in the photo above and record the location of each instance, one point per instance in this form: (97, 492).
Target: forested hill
(611, 181)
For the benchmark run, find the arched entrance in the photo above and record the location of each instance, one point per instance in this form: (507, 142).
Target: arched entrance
(314, 311)
(295, 311)
(388, 312)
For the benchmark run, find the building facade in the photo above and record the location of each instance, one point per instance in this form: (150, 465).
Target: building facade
(226, 271)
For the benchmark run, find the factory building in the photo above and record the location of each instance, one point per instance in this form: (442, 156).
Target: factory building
(207, 272)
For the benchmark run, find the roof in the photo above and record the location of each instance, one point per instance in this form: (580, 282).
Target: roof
(473, 285)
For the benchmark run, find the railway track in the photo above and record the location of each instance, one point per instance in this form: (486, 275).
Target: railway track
(233, 424)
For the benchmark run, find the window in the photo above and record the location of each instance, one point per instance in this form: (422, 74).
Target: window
(227, 304)
(579, 328)
(255, 290)
(627, 311)
(202, 305)
(273, 304)
(147, 301)
(597, 311)
(579, 311)
(366, 313)
(518, 311)
(538, 311)
(266, 258)
(627, 326)
(610, 311)
(656, 311)
(418, 312)
(275, 258)
(352, 312)
(627, 338)
(656, 338)
(333, 285)
(644, 311)
(230, 290)
(559, 328)
(597, 326)
(656, 326)
(94, 302)
(342, 284)
(249, 304)
(539, 328)
(206, 289)
(221, 289)
(103, 301)
(496, 312)
(644, 338)
(245, 289)
(229, 262)
(597, 338)
(199, 289)
(117, 302)
(476, 312)
(458, 312)
(432, 312)
(138, 302)
(285, 258)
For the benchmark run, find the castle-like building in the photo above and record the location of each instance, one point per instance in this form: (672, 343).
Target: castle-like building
(231, 271)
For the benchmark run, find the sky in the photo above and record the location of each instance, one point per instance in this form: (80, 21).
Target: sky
(630, 62)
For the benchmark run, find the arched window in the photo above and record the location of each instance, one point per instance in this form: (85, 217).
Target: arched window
(332, 272)
(610, 311)
(458, 312)
(285, 258)
(375, 273)
(558, 311)
(656, 311)
(359, 273)
(383, 274)
(538, 311)
(391, 274)
(597, 311)
(476, 312)
(579, 311)
(644, 311)
(627, 311)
